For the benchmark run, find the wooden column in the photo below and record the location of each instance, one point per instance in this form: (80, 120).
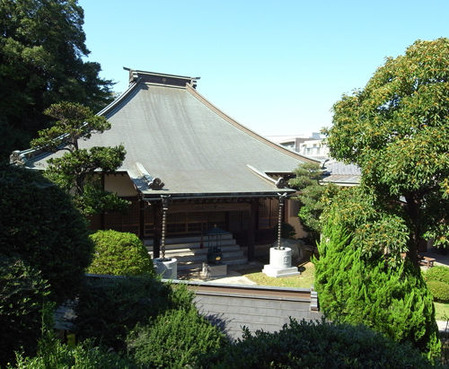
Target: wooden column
(157, 206)
(102, 215)
(142, 205)
(253, 215)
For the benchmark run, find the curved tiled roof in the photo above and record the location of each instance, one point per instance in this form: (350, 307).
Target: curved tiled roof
(173, 133)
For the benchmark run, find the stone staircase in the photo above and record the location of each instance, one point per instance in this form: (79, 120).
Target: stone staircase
(191, 252)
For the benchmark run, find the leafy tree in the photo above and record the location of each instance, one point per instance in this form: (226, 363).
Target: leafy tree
(42, 59)
(319, 345)
(75, 171)
(23, 293)
(396, 129)
(119, 253)
(39, 224)
(361, 278)
(312, 197)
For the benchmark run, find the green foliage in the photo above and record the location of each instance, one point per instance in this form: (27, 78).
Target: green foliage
(315, 345)
(312, 197)
(109, 308)
(72, 121)
(437, 279)
(439, 290)
(379, 230)
(119, 253)
(174, 339)
(83, 356)
(437, 273)
(396, 129)
(388, 297)
(42, 58)
(40, 225)
(52, 354)
(76, 171)
(23, 293)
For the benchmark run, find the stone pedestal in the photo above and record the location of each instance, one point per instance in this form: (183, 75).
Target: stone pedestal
(214, 270)
(167, 268)
(280, 263)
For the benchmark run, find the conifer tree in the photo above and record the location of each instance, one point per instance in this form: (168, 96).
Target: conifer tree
(372, 288)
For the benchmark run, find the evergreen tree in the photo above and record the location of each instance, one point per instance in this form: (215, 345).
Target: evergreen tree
(42, 46)
(39, 225)
(76, 171)
(312, 196)
(364, 282)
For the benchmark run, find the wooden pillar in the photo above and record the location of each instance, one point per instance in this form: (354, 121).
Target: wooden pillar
(253, 215)
(102, 215)
(157, 206)
(141, 218)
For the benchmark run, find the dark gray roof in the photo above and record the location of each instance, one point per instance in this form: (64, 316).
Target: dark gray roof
(172, 133)
(255, 307)
(341, 173)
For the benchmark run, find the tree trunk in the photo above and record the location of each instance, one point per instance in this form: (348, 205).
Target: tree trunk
(414, 214)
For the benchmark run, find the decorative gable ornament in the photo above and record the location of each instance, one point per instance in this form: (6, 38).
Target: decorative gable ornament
(281, 183)
(156, 184)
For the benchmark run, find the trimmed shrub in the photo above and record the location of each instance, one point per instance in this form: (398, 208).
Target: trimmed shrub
(318, 345)
(23, 293)
(40, 225)
(437, 273)
(439, 291)
(174, 340)
(119, 253)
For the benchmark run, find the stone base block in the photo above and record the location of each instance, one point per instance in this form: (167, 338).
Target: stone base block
(214, 270)
(270, 271)
(167, 268)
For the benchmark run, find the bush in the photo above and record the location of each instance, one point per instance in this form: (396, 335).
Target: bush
(85, 355)
(439, 291)
(316, 345)
(437, 273)
(23, 293)
(118, 253)
(41, 226)
(109, 308)
(174, 340)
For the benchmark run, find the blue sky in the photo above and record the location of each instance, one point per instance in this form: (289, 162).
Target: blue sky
(276, 67)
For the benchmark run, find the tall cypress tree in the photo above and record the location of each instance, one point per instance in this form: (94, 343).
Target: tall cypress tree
(361, 282)
(42, 46)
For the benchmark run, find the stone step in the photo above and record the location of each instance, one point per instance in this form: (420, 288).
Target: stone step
(200, 255)
(191, 252)
(191, 239)
(200, 251)
(197, 266)
(195, 245)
